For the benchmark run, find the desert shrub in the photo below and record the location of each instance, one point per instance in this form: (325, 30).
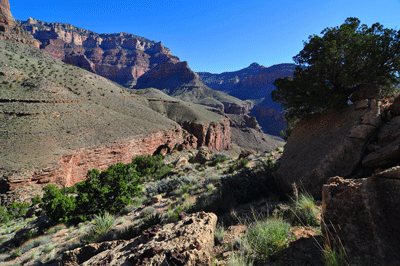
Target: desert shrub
(334, 256)
(168, 185)
(237, 165)
(147, 165)
(267, 237)
(4, 216)
(101, 225)
(148, 211)
(219, 234)
(110, 190)
(59, 207)
(36, 200)
(17, 209)
(150, 220)
(217, 158)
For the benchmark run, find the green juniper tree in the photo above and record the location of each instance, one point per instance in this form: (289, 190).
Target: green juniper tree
(349, 62)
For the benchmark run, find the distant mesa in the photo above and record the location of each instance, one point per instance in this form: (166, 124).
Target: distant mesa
(254, 83)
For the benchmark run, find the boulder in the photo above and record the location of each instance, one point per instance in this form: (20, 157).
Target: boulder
(327, 145)
(387, 149)
(203, 156)
(187, 242)
(395, 107)
(363, 215)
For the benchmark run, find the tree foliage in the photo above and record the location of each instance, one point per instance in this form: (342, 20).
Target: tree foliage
(108, 191)
(352, 61)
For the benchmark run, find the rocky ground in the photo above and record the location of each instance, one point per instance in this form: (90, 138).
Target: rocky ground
(204, 238)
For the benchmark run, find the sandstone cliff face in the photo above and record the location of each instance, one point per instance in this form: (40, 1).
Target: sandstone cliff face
(216, 136)
(354, 157)
(120, 57)
(9, 29)
(327, 145)
(73, 168)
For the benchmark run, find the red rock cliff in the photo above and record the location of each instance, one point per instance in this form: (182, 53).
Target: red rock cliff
(73, 168)
(216, 136)
(9, 29)
(121, 57)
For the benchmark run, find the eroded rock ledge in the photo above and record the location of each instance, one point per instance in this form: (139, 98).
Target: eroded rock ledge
(73, 168)
(187, 242)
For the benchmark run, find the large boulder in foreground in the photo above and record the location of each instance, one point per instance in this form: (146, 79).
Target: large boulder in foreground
(187, 242)
(327, 145)
(363, 215)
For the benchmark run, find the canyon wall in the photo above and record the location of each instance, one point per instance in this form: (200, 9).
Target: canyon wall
(121, 57)
(73, 168)
(216, 136)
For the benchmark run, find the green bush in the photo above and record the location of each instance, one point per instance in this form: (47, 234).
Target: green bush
(101, 225)
(17, 209)
(147, 165)
(59, 207)
(36, 200)
(237, 165)
(110, 190)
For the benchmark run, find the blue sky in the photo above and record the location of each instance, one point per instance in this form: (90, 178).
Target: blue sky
(215, 36)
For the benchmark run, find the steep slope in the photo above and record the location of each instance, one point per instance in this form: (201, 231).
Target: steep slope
(254, 83)
(58, 121)
(120, 57)
(244, 130)
(129, 60)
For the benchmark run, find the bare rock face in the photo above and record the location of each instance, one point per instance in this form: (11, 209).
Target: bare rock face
(6, 18)
(73, 168)
(364, 215)
(327, 145)
(120, 57)
(9, 28)
(187, 242)
(215, 136)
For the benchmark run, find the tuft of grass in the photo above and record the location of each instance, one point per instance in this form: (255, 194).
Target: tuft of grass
(334, 256)
(101, 225)
(269, 236)
(219, 235)
(304, 211)
(240, 259)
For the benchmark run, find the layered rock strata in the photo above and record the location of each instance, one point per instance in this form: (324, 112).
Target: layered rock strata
(73, 168)
(9, 28)
(215, 136)
(121, 57)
